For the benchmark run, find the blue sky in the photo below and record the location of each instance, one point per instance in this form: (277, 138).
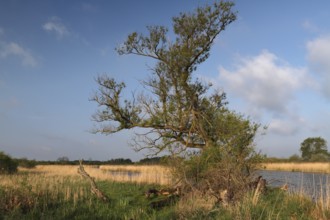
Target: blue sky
(273, 63)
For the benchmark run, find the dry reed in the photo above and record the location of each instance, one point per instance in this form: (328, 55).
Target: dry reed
(300, 167)
(55, 187)
(153, 174)
(140, 174)
(61, 183)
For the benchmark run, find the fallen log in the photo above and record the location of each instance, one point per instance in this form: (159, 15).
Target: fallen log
(163, 192)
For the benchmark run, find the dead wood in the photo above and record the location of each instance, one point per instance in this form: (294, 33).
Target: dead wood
(164, 192)
(261, 188)
(152, 192)
(285, 187)
(94, 189)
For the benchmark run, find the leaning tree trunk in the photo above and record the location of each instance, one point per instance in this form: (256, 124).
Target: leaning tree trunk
(94, 189)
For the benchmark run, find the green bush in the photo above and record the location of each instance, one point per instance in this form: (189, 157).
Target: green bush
(321, 157)
(7, 164)
(24, 162)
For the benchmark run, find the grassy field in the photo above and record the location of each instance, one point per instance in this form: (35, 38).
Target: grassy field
(154, 174)
(58, 192)
(301, 167)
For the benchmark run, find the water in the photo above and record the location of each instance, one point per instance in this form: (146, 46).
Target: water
(314, 185)
(130, 175)
(124, 173)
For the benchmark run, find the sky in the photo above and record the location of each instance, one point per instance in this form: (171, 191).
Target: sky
(273, 62)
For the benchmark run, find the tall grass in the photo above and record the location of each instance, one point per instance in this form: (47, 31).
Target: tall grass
(42, 193)
(301, 167)
(150, 174)
(141, 174)
(274, 204)
(58, 192)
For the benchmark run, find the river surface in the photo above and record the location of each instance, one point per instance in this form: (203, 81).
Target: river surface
(314, 185)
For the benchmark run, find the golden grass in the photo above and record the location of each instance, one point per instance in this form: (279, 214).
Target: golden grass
(139, 173)
(130, 173)
(62, 183)
(54, 187)
(300, 167)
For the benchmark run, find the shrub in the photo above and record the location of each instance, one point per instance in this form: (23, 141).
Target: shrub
(294, 158)
(319, 158)
(24, 162)
(7, 164)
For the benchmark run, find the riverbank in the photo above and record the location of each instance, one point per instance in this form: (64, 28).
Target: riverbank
(310, 167)
(58, 192)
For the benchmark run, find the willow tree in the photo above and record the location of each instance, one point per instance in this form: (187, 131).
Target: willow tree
(178, 111)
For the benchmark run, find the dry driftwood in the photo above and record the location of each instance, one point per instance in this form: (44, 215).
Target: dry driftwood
(94, 189)
(163, 192)
(261, 187)
(285, 187)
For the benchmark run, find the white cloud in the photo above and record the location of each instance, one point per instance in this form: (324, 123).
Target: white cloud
(264, 82)
(55, 25)
(89, 7)
(309, 26)
(287, 125)
(319, 55)
(319, 52)
(12, 48)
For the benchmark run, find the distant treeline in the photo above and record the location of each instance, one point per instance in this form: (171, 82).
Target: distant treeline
(23, 162)
(8, 164)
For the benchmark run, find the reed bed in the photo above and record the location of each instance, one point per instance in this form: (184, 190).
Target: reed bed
(58, 192)
(139, 173)
(33, 190)
(150, 174)
(298, 167)
(320, 199)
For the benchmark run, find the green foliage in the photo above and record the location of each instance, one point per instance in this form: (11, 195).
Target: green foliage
(320, 157)
(216, 169)
(294, 158)
(119, 161)
(7, 164)
(316, 146)
(181, 114)
(152, 160)
(63, 159)
(24, 162)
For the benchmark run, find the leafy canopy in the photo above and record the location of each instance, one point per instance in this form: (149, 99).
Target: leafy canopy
(180, 112)
(7, 164)
(313, 146)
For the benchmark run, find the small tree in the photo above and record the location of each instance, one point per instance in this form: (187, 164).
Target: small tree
(294, 158)
(314, 146)
(24, 162)
(63, 160)
(7, 164)
(181, 115)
